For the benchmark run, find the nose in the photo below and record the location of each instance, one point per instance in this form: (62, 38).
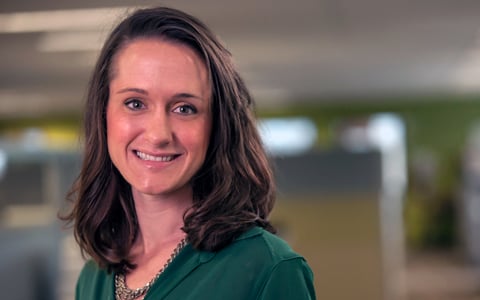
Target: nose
(158, 129)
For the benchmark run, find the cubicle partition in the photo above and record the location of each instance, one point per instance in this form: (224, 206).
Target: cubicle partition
(32, 190)
(330, 210)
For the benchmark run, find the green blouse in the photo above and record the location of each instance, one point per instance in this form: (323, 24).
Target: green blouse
(258, 265)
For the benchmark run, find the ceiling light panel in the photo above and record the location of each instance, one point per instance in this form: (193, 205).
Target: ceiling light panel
(61, 20)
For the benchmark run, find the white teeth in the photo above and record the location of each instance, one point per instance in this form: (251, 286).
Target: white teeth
(145, 156)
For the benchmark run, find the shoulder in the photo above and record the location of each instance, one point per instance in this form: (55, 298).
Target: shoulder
(259, 252)
(270, 247)
(279, 271)
(89, 271)
(93, 282)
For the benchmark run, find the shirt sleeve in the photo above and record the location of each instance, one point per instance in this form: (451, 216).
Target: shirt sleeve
(289, 279)
(83, 285)
(94, 283)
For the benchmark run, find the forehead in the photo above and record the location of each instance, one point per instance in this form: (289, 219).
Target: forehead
(157, 39)
(161, 67)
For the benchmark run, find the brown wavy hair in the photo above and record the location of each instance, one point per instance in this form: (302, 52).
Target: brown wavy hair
(233, 190)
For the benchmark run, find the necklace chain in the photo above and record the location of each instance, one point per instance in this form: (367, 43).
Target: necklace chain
(123, 292)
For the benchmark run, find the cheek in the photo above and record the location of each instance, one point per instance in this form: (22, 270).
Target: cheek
(112, 139)
(208, 136)
(197, 139)
(112, 128)
(118, 131)
(205, 133)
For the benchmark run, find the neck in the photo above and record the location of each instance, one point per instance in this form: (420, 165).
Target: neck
(160, 218)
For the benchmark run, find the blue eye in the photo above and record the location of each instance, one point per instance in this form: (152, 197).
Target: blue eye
(185, 109)
(134, 104)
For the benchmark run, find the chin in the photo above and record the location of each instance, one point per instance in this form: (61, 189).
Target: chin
(161, 190)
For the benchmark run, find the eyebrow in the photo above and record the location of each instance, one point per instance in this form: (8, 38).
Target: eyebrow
(187, 95)
(144, 92)
(136, 90)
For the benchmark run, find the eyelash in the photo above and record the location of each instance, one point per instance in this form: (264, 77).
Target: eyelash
(134, 104)
(192, 109)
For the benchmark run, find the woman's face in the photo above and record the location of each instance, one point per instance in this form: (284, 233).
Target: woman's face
(158, 115)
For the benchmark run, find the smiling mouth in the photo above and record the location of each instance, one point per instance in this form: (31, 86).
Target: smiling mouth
(148, 157)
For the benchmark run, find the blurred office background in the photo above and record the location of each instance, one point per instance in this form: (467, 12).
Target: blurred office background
(370, 110)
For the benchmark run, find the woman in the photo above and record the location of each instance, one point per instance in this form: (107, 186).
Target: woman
(175, 190)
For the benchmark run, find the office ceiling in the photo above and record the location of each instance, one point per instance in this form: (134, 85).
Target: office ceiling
(306, 50)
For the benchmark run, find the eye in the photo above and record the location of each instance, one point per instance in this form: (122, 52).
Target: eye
(134, 104)
(185, 109)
